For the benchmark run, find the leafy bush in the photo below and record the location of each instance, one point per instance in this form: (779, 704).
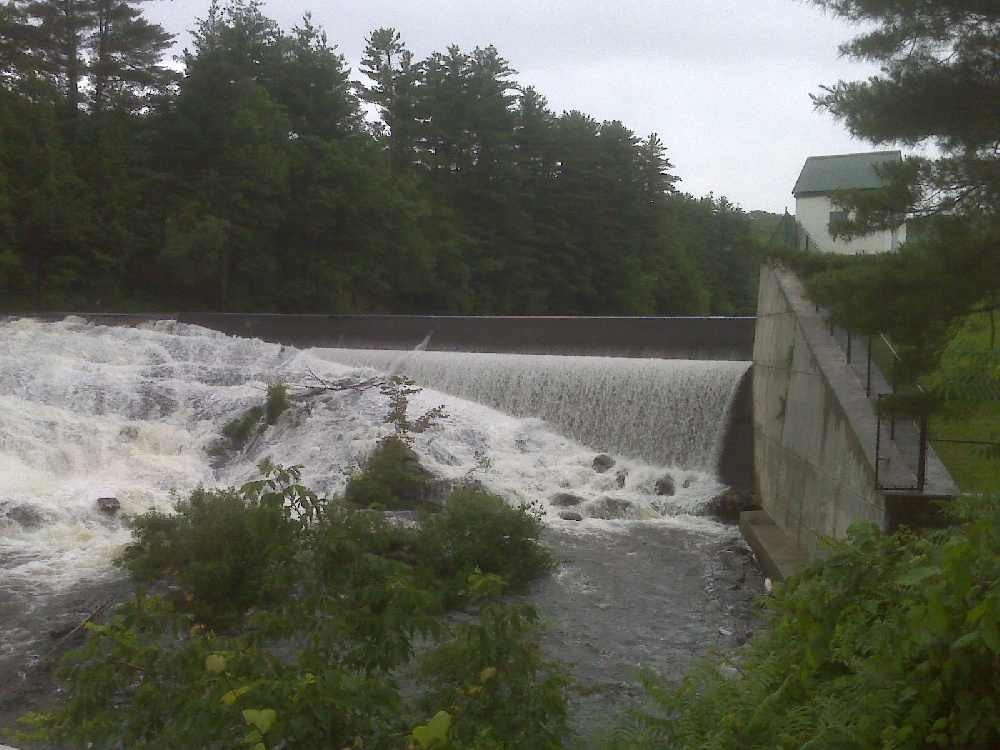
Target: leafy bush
(240, 429)
(502, 693)
(318, 666)
(391, 478)
(219, 546)
(277, 402)
(892, 642)
(479, 531)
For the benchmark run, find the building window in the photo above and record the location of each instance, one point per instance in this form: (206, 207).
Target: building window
(838, 221)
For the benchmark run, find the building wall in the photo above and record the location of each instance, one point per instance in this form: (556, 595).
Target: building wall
(814, 430)
(813, 213)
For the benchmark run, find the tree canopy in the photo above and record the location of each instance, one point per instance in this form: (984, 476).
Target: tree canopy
(264, 177)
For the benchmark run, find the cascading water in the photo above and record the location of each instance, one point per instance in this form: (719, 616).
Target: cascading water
(664, 412)
(137, 414)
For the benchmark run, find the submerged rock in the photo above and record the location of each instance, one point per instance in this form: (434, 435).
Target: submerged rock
(603, 462)
(665, 485)
(611, 508)
(730, 504)
(109, 505)
(25, 515)
(565, 500)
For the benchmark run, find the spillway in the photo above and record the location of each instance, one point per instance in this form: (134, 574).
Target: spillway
(665, 412)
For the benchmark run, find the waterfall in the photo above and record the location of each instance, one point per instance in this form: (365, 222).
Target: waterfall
(664, 412)
(137, 414)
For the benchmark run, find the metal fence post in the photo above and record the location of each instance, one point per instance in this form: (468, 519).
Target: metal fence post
(868, 381)
(878, 450)
(922, 455)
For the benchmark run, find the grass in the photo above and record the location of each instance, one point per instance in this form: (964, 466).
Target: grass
(970, 362)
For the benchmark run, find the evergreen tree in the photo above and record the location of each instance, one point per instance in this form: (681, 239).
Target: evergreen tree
(939, 84)
(390, 68)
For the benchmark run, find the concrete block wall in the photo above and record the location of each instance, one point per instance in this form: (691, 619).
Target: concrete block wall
(814, 431)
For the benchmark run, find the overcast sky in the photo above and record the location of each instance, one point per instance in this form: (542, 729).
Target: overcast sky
(725, 83)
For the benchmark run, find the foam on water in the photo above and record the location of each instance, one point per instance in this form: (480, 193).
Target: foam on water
(90, 411)
(665, 412)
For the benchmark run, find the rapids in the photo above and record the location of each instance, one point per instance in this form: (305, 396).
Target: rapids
(134, 413)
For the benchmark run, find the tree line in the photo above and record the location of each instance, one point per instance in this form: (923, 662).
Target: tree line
(262, 177)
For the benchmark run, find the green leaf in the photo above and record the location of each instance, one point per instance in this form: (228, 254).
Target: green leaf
(263, 718)
(434, 732)
(991, 637)
(230, 697)
(215, 663)
(916, 575)
(965, 641)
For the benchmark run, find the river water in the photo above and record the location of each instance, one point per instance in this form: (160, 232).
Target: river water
(89, 412)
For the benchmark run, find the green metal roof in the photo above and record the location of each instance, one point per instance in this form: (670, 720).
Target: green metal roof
(827, 174)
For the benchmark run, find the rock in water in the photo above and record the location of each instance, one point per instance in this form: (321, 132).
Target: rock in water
(565, 500)
(603, 462)
(109, 505)
(620, 478)
(665, 485)
(611, 508)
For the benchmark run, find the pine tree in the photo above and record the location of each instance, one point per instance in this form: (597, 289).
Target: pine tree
(939, 85)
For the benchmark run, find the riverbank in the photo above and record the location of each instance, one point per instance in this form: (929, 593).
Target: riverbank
(640, 597)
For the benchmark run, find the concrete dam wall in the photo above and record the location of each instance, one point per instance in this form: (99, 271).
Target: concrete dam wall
(667, 338)
(815, 429)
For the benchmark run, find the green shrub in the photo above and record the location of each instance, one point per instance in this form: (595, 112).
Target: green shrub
(391, 478)
(340, 597)
(479, 531)
(502, 692)
(277, 402)
(219, 546)
(240, 429)
(891, 642)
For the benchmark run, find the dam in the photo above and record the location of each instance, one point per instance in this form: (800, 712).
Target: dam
(137, 412)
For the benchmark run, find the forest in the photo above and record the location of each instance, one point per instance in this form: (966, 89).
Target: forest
(262, 177)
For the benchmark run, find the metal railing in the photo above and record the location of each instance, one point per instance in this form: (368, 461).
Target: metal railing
(909, 436)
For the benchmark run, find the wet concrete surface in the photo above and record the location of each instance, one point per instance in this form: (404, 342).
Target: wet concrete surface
(644, 598)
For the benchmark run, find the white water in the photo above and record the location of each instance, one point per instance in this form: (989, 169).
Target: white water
(90, 411)
(665, 412)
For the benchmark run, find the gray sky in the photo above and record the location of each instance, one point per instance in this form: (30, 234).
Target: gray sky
(725, 83)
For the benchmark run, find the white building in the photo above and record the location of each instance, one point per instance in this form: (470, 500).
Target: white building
(824, 176)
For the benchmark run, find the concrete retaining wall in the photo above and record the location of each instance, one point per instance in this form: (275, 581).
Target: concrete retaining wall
(814, 429)
(668, 338)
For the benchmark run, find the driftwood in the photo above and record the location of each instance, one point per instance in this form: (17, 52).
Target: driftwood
(344, 385)
(65, 635)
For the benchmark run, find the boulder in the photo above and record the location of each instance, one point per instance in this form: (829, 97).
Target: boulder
(620, 478)
(603, 462)
(109, 505)
(611, 508)
(565, 500)
(665, 485)
(26, 516)
(729, 505)
(569, 515)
